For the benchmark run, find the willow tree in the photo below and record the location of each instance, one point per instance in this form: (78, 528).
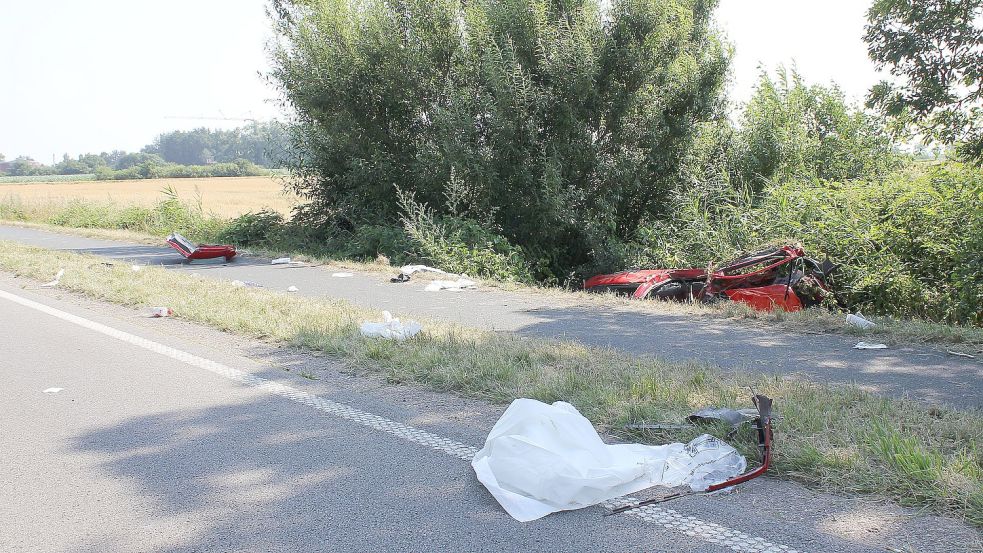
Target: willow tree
(558, 124)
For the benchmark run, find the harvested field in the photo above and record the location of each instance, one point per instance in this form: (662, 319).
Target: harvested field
(222, 196)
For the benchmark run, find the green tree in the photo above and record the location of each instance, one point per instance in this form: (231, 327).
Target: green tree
(790, 130)
(935, 47)
(556, 123)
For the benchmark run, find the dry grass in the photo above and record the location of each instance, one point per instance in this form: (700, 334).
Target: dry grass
(837, 438)
(222, 196)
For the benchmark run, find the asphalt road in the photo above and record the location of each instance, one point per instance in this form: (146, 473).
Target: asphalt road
(166, 437)
(927, 374)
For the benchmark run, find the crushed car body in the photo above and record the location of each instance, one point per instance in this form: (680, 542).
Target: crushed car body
(781, 277)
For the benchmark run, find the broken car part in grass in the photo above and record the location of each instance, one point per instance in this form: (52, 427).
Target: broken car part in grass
(765, 435)
(837, 438)
(782, 278)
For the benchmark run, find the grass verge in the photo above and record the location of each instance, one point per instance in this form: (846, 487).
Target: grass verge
(147, 225)
(836, 438)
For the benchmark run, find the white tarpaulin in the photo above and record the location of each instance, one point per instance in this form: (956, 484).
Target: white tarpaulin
(539, 459)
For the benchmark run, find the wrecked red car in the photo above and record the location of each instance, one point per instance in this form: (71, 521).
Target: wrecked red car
(781, 277)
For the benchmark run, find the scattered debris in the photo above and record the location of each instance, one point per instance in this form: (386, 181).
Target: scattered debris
(732, 417)
(246, 283)
(539, 459)
(53, 283)
(293, 289)
(192, 251)
(781, 277)
(869, 345)
(960, 354)
(762, 427)
(858, 320)
(280, 261)
(342, 275)
(406, 270)
(135, 268)
(52, 390)
(451, 285)
(391, 328)
(159, 312)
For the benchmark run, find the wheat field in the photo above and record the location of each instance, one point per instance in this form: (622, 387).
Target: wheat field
(221, 196)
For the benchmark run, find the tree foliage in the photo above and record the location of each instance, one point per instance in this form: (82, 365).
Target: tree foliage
(793, 131)
(261, 143)
(936, 48)
(553, 123)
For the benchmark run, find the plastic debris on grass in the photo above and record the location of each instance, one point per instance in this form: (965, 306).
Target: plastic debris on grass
(540, 459)
(158, 312)
(391, 328)
(858, 320)
(245, 284)
(458, 285)
(53, 283)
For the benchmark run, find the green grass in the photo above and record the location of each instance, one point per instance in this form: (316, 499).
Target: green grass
(841, 438)
(48, 178)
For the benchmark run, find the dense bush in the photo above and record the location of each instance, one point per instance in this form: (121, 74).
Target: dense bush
(908, 245)
(154, 169)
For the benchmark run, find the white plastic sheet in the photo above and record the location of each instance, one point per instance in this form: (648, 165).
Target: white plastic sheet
(539, 459)
(858, 320)
(451, 285)
(391, 328)
(869, 345)
(410, 269)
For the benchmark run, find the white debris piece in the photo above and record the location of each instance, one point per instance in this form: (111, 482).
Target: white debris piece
(293, 289)
(869, 345)
(390, 328)
(342, 275)
(280, 261)
(241, 284)
(410, 269)
(53, 283)
(159, 312)
(52, 390)
(135, 268)
(451, 285)
(539, 459)
(858, 320)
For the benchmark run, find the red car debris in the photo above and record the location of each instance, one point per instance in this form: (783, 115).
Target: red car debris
(781, 277)
(192, 251)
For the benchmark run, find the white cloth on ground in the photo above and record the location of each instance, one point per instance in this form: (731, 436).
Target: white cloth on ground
(539, 459)
(391, 328)
(451, 285)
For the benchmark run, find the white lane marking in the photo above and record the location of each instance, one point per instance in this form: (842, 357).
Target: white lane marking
(690, 526)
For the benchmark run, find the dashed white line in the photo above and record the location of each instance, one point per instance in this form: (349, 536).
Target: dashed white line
(668, 518)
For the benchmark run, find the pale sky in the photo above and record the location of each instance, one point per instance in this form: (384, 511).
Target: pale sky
(79, 77)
